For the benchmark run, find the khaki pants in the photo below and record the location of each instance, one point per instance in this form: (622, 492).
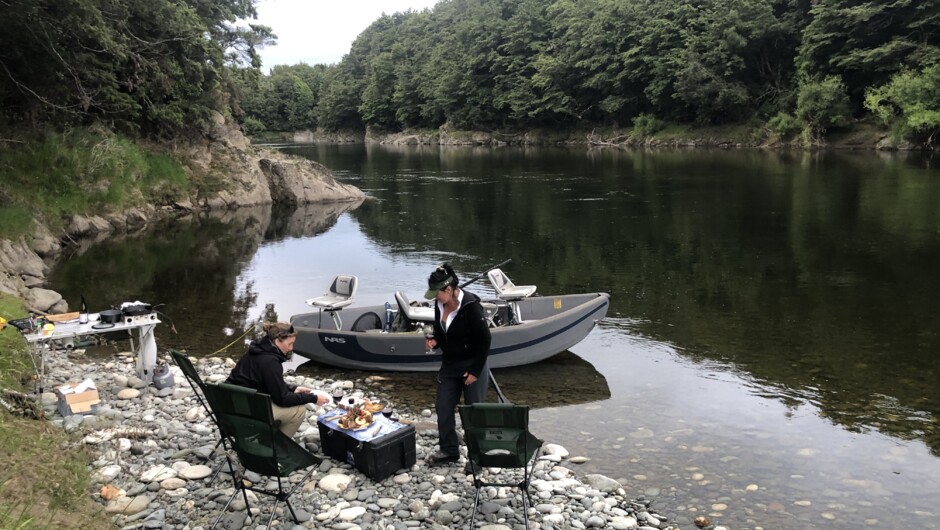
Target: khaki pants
(290, 417)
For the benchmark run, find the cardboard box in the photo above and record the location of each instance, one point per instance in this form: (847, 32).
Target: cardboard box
(78, 398)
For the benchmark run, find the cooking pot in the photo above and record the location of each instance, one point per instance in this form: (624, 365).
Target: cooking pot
(110, 316)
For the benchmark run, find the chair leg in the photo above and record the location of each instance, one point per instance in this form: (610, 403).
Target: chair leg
(525, 505)
(273, 512)
(229, 503)
(218, 470)
(476, 501)
(295, 488)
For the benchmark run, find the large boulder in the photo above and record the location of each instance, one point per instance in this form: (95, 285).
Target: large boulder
(17, 258)
(45, 300)
(299, 181)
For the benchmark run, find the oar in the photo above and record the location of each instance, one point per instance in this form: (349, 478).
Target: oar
(502, 398)
(482, 274)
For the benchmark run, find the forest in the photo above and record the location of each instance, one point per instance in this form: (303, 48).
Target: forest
(157, 69)
(793, 68)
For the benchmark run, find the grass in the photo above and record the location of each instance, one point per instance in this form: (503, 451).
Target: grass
(53, 175)
(44, 479)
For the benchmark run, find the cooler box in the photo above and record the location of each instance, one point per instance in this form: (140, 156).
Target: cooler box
(378, 450)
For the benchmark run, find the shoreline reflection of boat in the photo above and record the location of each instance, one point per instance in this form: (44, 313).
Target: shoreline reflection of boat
(524, 331)
(561, 380)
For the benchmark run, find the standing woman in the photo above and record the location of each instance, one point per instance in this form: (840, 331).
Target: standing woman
(260, 368)
(462, 334)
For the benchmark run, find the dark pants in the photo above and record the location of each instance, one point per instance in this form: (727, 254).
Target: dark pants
(449, 388)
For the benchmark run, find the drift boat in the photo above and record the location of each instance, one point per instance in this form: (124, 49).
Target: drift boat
(391, 337)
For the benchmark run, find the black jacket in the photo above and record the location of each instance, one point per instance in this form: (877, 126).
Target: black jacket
(260, 368)
(466, 344)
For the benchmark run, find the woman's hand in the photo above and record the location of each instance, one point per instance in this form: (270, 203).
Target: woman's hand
(430, 344)
(302, 390)
(469, 379)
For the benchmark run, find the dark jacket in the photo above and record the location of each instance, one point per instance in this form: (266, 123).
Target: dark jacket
(260, 368)
(466, 344)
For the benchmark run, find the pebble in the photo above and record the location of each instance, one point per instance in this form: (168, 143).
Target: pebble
(158, 446)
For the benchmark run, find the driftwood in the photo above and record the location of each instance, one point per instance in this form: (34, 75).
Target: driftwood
(616, 141)
(21, 404)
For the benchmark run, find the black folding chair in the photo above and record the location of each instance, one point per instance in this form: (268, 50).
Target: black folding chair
(497, 435)
(261, 447)
(199, 390)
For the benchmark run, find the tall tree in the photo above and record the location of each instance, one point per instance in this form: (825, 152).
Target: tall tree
(148, 66)
(865, 42)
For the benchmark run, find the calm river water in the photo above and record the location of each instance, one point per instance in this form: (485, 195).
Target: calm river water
(772, 351)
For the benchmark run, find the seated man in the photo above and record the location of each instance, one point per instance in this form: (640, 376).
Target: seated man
(260, 368)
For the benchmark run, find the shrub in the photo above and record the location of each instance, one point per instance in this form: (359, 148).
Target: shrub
(822, 104)
(910, 102)
(784, 124)
(647, 124)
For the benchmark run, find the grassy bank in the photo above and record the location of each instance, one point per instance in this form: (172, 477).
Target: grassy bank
(52, 175)
(44, 480)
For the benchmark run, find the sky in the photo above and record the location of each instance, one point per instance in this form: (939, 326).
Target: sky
(321, 31)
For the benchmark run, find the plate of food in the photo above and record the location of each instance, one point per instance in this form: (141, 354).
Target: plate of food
(356, 419)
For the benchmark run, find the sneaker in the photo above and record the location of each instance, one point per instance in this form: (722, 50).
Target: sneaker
(440, 458)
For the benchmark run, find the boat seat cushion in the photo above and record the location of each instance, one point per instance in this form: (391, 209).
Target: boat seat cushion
(507, 290)
(340, 294)
(413, 312)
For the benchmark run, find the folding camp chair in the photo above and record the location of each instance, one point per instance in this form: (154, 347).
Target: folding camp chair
(261, 447)
(199, 390)
(497, 435)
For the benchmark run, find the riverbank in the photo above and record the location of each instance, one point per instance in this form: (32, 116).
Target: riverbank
(859, 136)
(149, 451)
(250, 176)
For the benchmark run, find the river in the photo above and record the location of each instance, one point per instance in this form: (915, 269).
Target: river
(771, 355)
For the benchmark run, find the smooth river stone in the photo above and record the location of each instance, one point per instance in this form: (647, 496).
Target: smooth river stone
(336, 482)
(128, 505)
(157, 473)
(196, 472)
(128, 393)
(350, 514)
(172, 484)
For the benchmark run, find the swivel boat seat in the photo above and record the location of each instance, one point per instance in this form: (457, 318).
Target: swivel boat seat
(510, 292)
(341, 294)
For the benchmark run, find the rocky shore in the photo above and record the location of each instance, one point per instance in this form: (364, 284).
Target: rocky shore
(152, 467)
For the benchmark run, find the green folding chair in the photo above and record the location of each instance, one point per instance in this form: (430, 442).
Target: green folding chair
(199, 390)
(497, 435)
(245, 414)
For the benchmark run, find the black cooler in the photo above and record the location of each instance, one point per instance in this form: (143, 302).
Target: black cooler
(377, 450)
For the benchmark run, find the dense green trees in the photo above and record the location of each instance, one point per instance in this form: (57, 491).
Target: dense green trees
(159, 67)
(150, 67)
(518, 64)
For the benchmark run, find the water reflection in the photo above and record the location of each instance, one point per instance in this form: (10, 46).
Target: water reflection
(188, 267)
(563, 380)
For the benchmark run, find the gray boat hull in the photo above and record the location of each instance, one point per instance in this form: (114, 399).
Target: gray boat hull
(551, 325)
